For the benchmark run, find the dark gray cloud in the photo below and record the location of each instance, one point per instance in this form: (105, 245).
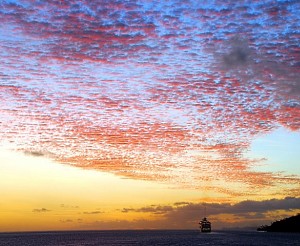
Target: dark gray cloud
(244, 207)
(238, 53)
(246, 213)
(267, 205)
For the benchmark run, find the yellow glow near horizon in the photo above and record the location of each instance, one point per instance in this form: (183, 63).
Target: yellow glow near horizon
(40, 194)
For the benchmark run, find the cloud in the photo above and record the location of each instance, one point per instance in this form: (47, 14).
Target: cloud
(40, 210)
(186, 215)
(237, 52)
(93, 212)
(150, 209)
(268, 205)
(67, 206)
(244, 207)
(150, 89)
(244, 213)
(34, 153)
(74, 31)
(248, 206)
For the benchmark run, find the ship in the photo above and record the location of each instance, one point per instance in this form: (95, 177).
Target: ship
(205, 225)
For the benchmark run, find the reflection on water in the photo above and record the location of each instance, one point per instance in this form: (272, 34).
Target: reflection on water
(148, 238)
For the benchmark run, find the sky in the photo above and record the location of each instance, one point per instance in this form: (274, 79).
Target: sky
(148, 114)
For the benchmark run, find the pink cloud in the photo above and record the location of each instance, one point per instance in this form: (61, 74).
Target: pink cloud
(141, 87)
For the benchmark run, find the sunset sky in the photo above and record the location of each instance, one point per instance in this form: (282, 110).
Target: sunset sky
(122, 114)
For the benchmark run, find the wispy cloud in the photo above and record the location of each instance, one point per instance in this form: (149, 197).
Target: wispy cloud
(150, 209)
(67, 206)
(40, 210)
(34, 153)
(93, 212)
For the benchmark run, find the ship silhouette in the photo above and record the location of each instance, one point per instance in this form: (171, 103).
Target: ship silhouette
(205, 225)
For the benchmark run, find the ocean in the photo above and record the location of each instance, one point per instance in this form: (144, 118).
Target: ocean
(152, 237)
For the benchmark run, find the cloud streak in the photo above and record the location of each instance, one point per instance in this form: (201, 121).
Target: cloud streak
(41, 210)
(93, 212)
(247, 206)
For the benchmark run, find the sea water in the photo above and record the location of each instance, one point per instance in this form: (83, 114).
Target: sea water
(153, 238)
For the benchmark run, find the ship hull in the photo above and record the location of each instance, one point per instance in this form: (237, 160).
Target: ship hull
(205, 230)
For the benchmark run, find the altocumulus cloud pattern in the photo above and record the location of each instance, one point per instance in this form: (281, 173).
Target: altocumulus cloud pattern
(166, 90)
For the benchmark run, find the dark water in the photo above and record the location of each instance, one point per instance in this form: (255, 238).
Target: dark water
(152, 238)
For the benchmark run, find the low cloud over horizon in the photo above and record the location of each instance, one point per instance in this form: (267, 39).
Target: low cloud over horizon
(246, 206)
(186, 215)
